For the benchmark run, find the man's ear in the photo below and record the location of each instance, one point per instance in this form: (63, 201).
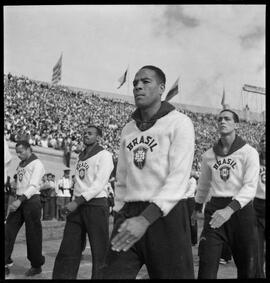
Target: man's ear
(162, 88)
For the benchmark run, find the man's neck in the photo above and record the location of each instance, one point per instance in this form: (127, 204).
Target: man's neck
(227, 141)
(27, 158)
(90, 147)
(148, 113)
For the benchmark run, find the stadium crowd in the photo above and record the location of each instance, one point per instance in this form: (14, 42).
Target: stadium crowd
(47, 115)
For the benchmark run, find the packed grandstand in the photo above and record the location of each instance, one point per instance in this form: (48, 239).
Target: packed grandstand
(46, 114)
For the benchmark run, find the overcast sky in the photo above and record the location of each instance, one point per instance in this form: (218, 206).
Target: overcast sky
(208, 46)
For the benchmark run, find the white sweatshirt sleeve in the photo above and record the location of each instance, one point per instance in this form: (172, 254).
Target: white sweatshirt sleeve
(180, 156)
(250, 178)
(204, 182)
(105, 167)
(35, 179)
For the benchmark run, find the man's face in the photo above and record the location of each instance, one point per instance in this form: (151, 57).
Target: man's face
(147, 89)
(66, 174)
(90, 136)
(22, 152)
(226, 124)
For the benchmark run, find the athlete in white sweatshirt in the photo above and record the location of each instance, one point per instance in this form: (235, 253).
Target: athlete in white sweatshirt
(154, 165)
(26, 209)
(88, 213)
(230, 173)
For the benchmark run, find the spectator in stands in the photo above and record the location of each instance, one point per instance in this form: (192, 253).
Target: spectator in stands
(30, 106)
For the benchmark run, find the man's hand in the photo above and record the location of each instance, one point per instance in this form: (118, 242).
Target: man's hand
(70, 207)
(194, 217)
(220, 216)
(14, 205)
(130, 231)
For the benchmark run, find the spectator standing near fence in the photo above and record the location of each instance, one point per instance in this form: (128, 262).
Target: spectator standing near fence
(8, 158)
(63, 193)
(88, 213)
(67, 145)
(192, 186)
(45, 196)
(154, 165)
(26, 209)
(230, 171)
(52, 198)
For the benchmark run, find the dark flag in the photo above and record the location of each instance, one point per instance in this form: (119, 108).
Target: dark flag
(173, 91)
(57, 71)
(123, 79)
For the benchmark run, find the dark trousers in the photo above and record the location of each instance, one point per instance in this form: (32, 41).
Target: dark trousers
(46, 208)
(29, 213)
(226, 252)
(193, 227)
(259, 207)
(52, 207)
(239, 232)
(60, 204)
(165, 248)
(91, 218)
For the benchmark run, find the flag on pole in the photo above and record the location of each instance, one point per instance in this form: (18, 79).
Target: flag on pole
(123, 78)
(57, 71)
(223, 98)
(173, 91)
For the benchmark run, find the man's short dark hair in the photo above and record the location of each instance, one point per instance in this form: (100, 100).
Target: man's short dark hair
(23, 143)
(235, 116)
(99, 131)
(160, 74)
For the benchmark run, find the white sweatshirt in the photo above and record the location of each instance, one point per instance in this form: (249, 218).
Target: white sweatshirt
(261, 183)
(154, 165)
(66, 184)
(235, 175)
(29, 178)
(192, 185)
(92, 175)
